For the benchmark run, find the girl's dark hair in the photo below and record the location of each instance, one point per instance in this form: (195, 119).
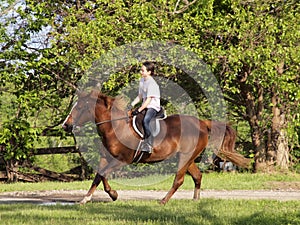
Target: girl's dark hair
(149, 66)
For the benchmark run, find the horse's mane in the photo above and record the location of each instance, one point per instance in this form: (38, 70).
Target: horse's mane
(120, 102)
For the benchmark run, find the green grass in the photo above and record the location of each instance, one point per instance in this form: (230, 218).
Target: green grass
(210, 181)
(205, 212)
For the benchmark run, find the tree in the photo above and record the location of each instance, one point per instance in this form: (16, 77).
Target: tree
(251, 47)
(31, 93)
(256, 47)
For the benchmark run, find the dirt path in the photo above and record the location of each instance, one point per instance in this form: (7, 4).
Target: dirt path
(71, 197)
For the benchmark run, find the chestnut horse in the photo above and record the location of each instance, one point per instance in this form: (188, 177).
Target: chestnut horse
(183, 135)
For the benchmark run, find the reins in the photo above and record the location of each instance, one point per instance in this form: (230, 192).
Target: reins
(107, 121)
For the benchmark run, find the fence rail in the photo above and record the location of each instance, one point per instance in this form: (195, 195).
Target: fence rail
(56, 150)
(40, 174)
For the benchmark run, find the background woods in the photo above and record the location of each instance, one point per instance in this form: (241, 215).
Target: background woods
(252, 47)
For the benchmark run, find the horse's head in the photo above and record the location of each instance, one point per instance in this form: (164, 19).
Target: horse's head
(82, 112)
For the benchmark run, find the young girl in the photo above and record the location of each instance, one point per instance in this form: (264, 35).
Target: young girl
(150, 94)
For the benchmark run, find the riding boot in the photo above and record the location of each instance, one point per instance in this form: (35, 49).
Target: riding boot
(147, 144)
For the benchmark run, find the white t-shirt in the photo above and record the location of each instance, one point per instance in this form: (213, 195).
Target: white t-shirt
(149, 88)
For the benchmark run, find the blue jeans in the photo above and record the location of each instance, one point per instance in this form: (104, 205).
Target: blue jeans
(150, 114)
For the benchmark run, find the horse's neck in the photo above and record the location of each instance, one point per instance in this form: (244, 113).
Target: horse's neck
(112, 120)
(117, 131)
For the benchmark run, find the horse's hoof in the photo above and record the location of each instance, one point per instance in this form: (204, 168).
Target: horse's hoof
(162, 202)
(114, 195)
(82, 202)
(85, 200)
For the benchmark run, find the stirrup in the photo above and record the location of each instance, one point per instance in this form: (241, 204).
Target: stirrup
(146, 147)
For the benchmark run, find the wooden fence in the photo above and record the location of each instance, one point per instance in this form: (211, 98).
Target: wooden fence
(80, 172)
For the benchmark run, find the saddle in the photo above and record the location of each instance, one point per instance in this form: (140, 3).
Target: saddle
(137, 122)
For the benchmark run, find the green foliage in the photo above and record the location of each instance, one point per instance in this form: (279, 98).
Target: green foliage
(17, 136)
(59, 163)
(31, 93)
(253, 47)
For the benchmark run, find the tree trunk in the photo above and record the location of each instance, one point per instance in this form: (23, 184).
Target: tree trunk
(254, 108)
(278, 151)
(12, 168)
(259, 149)
(271, 147)
(282, 159)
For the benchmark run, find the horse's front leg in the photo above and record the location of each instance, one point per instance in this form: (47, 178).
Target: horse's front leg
(105, 168)
(113, 194)
(88, 196)
(112, 165)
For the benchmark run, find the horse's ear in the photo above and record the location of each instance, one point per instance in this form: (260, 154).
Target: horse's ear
(81, 94)
(108, 102)
(94, 94)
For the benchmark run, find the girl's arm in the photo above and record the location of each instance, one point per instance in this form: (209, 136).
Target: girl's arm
(145, 104)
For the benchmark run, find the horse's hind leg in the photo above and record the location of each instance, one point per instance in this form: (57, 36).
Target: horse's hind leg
(178, 181)
(184, 162)
(197, 177)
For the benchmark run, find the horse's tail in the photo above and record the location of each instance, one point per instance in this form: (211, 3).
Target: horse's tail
(226, 151)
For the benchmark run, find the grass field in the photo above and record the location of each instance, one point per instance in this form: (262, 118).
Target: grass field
(185, 212)
(206, 211)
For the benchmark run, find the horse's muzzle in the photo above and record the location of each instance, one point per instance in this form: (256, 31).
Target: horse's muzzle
(67, 127)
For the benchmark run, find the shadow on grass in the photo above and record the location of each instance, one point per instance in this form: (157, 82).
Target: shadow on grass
(206, 211)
